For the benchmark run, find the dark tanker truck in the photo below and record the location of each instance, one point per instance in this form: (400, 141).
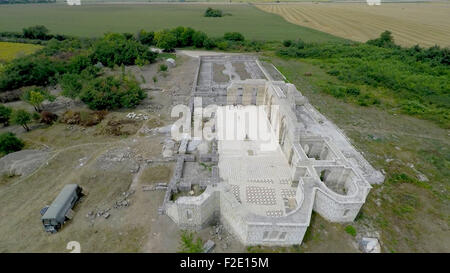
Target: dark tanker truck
(54, 216)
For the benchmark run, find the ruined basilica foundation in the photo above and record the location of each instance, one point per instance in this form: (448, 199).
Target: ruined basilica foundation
(266, 180)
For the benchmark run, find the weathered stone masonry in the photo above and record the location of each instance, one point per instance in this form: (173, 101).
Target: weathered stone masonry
(267, 197)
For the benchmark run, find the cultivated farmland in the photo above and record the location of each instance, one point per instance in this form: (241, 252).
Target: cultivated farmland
(9, 51)
(95, 19)
(425, 24)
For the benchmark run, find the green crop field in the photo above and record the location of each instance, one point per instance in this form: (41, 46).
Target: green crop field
(95, 19)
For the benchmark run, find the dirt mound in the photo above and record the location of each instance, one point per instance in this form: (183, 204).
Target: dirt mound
(83, 118)
(121, 127)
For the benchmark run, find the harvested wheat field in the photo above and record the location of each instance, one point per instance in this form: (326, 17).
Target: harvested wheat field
(425, 24)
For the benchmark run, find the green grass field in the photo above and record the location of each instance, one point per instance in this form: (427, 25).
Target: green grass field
(9, 51)
(96, 19)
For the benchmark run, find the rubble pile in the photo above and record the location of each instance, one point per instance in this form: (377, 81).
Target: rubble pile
(219, 234)
(123, 202)
(139, 116)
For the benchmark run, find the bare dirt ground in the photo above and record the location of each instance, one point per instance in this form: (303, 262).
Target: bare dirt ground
(112, 217)
(425, 24)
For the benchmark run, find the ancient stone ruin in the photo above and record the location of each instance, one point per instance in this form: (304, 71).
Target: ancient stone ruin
(283, 161)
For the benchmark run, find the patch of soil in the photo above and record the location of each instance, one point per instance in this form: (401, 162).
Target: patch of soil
(218, 75)
(241, 71)
(121, 127)
(83, 118)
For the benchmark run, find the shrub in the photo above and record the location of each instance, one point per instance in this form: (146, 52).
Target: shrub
(35, 32)
(9, 143)
(107, 93)
(199, 38)
(162, 67)
(146, 38)
(48, 117)
(5, 114)
(71, 85)
(79, 63)
(186, 37)
(287, 43)
(29, 70)
(234, 36)
(210, 12)
(187, 244)
(209, 43)
(300, 44)
(223, 45)
(166, 40)
(21, 117)
(385, 40)
(350, 230)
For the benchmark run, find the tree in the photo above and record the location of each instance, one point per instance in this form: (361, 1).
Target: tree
(21, 117)
(35, 32)
(5, 114)
(210, 12)
(198, 39)
(385, 40)
(146, 38)
(186, 36)
(234, 36)
(29, 70)
(71, 85)
(105, 93)
(166, 40)
(10, 143)
(36, 97)
(116, 49)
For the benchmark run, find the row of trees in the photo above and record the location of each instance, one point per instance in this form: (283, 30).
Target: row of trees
(169, 39)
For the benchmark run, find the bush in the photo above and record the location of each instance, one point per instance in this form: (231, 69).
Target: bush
(21, 117)
(5, 114)
(187, 244)
(199, 38)
(29, 70)
(166, 40)
(287, 43)
(209, 43)
(48, 117)
(162, 67)
(9, 143)
(71, 85)
(350, 230)
(116, 49)
(146, 38)
(234, 36)
(210, 12)
(107, 93)
(385, 40)
(186, 37)
(35, 32)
